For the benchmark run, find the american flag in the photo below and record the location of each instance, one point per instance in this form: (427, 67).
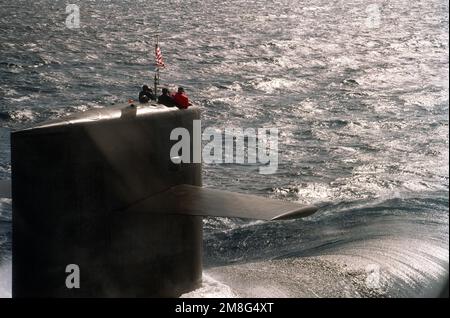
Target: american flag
(158, 57)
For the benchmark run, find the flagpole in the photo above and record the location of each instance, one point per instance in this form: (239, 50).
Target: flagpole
(156, 79)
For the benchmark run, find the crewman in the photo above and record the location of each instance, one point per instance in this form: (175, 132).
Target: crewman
(166, 99)
(146, 95)
(181, 99)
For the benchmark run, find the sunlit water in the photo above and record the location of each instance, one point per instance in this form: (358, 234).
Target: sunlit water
(359, 94)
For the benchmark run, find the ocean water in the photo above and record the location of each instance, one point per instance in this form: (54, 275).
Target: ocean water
(358, 90)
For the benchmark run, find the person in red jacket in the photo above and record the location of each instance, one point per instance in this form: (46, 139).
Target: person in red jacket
(181, 99)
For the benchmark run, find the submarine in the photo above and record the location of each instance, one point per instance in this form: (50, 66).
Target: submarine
(98, 190)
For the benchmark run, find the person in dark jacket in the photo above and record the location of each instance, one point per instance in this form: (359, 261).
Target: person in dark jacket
(146, 95)
(166, 99)
(181, 99)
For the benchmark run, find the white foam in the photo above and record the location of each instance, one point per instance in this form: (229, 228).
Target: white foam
(9, 92)
(22, 115)
(5, 280)
(211, 288)
(20, 99)
(276, 84)
(429, 101)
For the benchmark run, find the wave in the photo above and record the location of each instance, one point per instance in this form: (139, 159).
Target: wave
(391, 248)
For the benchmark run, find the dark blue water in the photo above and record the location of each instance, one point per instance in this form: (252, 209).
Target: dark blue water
(358, 91)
